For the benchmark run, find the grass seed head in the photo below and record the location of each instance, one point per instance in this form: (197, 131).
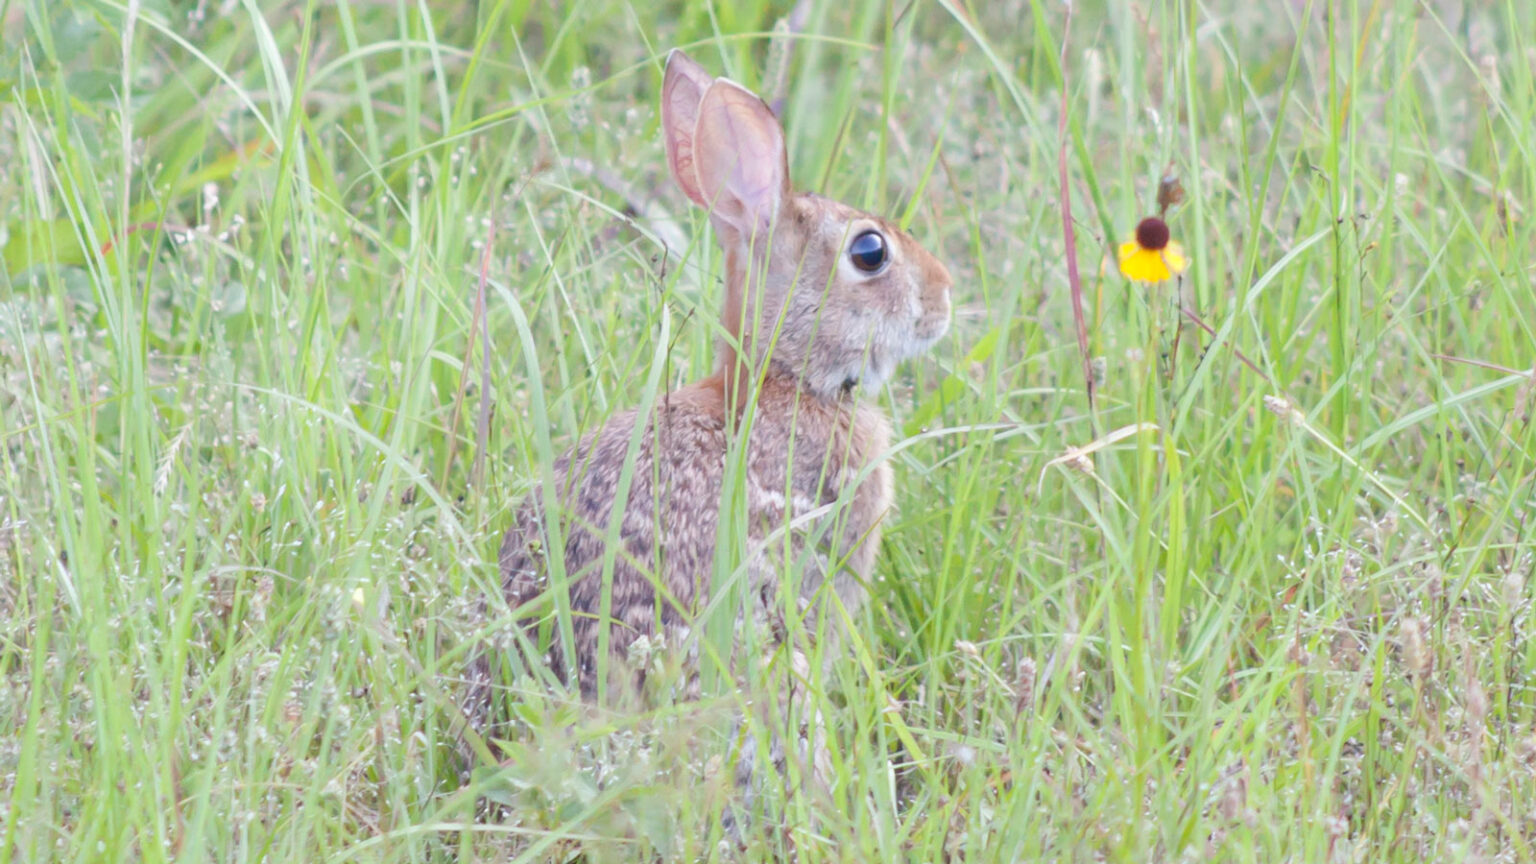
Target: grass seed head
(1415, 647)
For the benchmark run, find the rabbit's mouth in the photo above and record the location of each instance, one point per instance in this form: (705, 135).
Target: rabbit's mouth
(878, 361)
(929, 330)
(880, 357)
(925, 332)
(872, 361)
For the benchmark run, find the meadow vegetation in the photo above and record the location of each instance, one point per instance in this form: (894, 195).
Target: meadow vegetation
(299, 298)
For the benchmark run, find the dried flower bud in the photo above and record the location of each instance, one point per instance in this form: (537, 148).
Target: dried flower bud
(1024, 686)
(1415, 645)
(1170, 191)
(1281, 407)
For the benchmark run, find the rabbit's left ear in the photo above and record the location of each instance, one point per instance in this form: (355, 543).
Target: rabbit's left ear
(740, 159)
(682, 89)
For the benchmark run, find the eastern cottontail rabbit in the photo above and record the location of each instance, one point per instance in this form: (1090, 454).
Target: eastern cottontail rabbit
(821, 299)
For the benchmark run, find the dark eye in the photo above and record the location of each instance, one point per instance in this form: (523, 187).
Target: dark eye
(868, 251)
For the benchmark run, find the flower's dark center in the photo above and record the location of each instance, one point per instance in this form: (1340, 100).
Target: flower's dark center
(1152, 234)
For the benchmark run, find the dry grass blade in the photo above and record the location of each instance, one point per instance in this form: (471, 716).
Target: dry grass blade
(1210, 331)
(483, 421)
(1069, 233)
(1079, 457)
(1481, 364)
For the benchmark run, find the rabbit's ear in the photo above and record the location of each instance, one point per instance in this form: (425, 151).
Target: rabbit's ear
(739, 155)
(681, 91)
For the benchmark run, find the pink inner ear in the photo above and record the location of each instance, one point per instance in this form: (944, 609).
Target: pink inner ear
(681, 90)
(738, 152)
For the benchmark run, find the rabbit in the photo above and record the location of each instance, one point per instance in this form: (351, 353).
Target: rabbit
(821, 300)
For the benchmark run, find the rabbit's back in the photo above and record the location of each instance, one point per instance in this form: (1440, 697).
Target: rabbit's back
(801, 454)
(666, 534)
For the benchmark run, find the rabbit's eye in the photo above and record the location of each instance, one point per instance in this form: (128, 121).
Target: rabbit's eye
(868, 251)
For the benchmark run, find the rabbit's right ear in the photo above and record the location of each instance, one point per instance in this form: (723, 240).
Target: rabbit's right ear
(682, 89)
(740, 159)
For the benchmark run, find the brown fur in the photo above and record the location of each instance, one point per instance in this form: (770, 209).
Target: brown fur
(811, 329)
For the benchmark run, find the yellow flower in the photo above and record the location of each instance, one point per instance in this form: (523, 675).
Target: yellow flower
(1152, 256)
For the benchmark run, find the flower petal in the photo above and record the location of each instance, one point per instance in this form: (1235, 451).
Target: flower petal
(1173, 256)
(1142, 265)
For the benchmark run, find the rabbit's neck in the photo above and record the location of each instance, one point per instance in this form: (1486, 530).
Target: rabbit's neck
(738, 379)
(784, 399)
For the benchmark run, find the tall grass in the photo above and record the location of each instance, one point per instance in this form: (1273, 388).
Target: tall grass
(1266, 598)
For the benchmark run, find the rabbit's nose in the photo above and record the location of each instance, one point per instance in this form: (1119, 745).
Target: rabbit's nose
(936, 283)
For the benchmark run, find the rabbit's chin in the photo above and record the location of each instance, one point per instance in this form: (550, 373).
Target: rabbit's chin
(878, 364)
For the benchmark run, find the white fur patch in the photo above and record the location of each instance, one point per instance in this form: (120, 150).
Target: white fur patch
(761, 498)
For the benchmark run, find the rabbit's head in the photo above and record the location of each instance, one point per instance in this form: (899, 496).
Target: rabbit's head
(815, 289)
